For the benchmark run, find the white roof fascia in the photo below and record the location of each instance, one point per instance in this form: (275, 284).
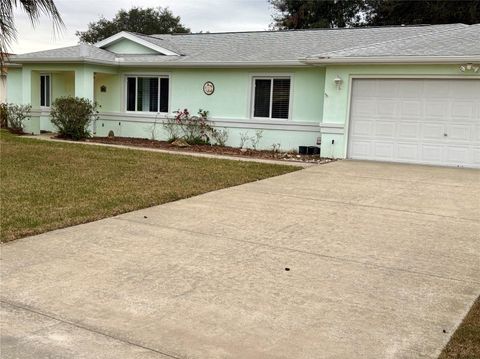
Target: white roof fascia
(391, 60)
(131, 37)
(62, 60)
(124, 62)
(213, 64)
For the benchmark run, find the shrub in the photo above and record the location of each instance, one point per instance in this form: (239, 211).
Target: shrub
(13, 116)
(172, 128)
(72, 116)
(3, 115)
(244, 137)
(220, 136)
(195, 130)
(255, 140)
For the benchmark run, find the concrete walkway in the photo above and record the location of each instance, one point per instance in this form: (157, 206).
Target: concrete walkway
(299, 163)
(345, 260)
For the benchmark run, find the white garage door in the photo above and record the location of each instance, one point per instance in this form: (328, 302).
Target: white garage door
(416, 120)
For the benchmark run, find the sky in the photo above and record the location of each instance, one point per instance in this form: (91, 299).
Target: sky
(198, 15)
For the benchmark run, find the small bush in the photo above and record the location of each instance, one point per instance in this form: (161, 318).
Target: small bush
(255, 140)
(244, 137)
(72, 116)
(172, 127)
(220, 136)
(13, 116)
(195, 130)
(3, 115)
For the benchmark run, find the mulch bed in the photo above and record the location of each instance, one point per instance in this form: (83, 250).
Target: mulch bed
(218, 150)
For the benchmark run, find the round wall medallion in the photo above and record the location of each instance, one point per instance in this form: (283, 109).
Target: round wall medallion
(208, 88)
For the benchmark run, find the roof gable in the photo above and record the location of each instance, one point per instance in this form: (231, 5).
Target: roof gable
(129, 47)
(128, 43)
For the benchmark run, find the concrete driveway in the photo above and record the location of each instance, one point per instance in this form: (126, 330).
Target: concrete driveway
(383, 262)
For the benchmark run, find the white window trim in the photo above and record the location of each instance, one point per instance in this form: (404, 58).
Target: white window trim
(271, 76)
(159, 76)
(49, 88)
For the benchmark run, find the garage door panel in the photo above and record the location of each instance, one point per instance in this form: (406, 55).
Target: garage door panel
(367, 88)
(462, 110)
(387, 107)
(361, 149)
(385, 90)
(411, 110)
(460, 132)
(476, 156)
(436, 110)
(431, 153)
(458, 154)
(476, 133)
(410, 89)
(433, 131)
(384, 129)
(407, 152)
(437, 89)
(416, 120)
(409, 130)
(367, 107)
(362, 128)
(383, 150)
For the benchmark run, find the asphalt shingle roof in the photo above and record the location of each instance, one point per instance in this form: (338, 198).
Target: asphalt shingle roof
(461, 41)
(289, 47)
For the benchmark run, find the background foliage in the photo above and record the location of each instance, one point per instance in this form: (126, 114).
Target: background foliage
(146, 21)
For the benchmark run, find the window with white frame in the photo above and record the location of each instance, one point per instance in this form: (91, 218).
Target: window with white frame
(271, 97)
(147, 93)
(45, 90)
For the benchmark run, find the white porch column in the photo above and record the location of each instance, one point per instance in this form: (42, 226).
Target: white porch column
(84, 87)
(27, 86)
(84, 83)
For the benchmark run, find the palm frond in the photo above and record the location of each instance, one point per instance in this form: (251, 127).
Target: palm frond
(34, 9)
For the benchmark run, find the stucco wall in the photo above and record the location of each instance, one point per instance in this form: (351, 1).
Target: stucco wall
(315, 99)
(229, 106)
(14, 85)
(232, 96)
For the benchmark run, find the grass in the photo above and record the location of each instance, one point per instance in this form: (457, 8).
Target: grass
(465, 342)
(46, 185)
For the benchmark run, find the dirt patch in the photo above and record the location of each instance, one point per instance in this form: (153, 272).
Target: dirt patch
(218, 150)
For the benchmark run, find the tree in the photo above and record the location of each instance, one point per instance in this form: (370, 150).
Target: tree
(401, 12)
(145, 21)
(306, 14)
(34, 9)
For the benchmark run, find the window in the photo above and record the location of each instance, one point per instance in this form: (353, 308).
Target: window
(271, 97)
(147, 94)
(45, 90)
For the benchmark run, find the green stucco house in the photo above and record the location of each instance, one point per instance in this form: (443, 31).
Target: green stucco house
(406, 94)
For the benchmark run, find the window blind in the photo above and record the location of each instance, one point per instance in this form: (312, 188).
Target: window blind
(280, 98)
(262, 98)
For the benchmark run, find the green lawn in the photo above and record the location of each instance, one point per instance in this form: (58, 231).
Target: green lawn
(465, 342)
(46, 185)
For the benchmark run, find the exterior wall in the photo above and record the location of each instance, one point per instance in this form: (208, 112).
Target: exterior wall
(334, 125)
(3, 88)
(317, 105)
(110, 101)
(229, 106)
(126, 46)
(67, 80)
(14, 85)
